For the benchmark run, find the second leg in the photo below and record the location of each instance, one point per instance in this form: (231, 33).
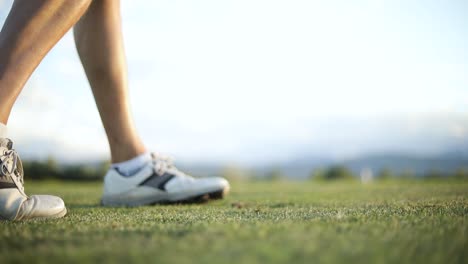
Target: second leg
(98, 38)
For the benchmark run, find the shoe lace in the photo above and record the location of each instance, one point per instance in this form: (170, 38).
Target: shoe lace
(8, 165)
(163, 164)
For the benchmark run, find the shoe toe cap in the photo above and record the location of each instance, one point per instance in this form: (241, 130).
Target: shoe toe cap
(224, 187)
(222, 182)
(49, 203)
(43, 206)
(216, 183)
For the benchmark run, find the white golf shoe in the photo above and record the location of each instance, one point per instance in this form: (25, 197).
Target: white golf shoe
(14, 203)
(159, 182)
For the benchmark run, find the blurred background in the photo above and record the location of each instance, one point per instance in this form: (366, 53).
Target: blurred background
(267, 89)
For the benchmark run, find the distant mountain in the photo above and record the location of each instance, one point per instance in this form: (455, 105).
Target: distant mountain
(398, 163)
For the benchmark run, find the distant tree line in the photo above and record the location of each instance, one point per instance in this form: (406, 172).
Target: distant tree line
(339, 172)
(50, 169)
(332, 173)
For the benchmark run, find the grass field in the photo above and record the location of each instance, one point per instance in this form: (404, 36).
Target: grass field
(260, 222)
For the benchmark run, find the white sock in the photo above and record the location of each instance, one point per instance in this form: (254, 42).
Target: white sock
(3, 130)
(130, 167)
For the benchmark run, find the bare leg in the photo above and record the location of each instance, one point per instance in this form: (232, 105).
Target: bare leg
(98, 38)
(31, 29)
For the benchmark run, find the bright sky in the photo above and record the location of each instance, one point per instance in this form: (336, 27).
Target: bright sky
(254, 80)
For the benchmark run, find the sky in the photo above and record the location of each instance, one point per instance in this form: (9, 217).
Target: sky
(259, 81)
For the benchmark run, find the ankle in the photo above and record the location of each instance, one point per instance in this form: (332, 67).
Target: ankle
(125, 153)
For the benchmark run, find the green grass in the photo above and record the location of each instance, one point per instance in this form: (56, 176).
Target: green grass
(261, 222)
